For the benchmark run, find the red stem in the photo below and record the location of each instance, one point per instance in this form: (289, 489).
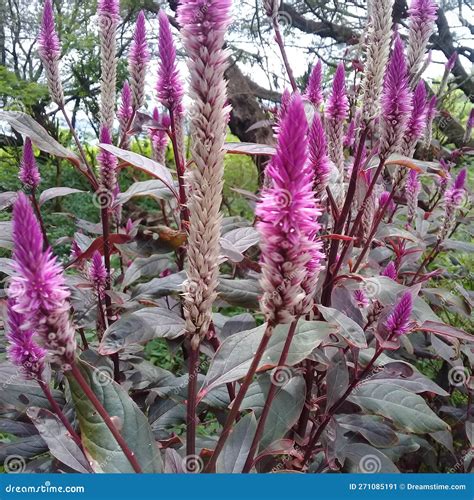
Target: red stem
(59, 412)
(270, 397)
(239, 398)
(281, 45)
(191, 404)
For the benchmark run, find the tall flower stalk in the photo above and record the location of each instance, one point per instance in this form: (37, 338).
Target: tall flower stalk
(49, 50)
(396, 102)
(377, 53)
(203, 28)
(417, 122)
(108, 11)
(314, 92)
(137, 62)
(170, 93)
(421, 22)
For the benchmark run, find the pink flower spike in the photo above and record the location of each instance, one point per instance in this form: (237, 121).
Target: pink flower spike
(23, 350)
(417, 122)
(137, 61)
(108, 8)
(288, 221)
(318, 157)
(48, 40)
(98, 274)
(38, 287)
(361, 298)
(169, 87)
(395, 101)
(390, 271)
(108, 168)
(313, 90)
(398, 321)
(338, 105)
(125, 111)
(29, 173)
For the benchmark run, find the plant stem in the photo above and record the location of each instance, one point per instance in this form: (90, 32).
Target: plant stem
(281, 45)
(76, 373)
(89, 173)
(239, 398)
(270, 397)
(104, 213)
(37, 210)
(59, 412)
(309, 379)
(180, 169)
(338, 403)
(339, 225)
(191, 404)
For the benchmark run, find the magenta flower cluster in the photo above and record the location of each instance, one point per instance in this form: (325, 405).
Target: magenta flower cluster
(29, 174)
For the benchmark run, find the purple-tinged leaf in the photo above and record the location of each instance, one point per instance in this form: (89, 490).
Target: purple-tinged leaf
(446, 331)
(249, 148)
(56, 192)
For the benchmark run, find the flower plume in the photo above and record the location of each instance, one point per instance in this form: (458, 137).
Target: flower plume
(29, 174)
(38, 287)
(204, 23)
(137, 62)
(398, 321)
(417, 122)
(318, 157)
(288, 221)
(49, 50)
(313, 91)
(396, 102)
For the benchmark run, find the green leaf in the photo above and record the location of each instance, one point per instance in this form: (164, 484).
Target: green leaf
(349, 329)
(26, 125)
(365, 459)
(21, 393)
(239, 292)
(234, 357)
(285, 409)
(56, 192)
(141, 326)
(149, 266)
(371, 427)
(142, 163)
(235, 451)
(337, 379)
(60, 444)
(407, 410)
(156, 189)
(101, 447)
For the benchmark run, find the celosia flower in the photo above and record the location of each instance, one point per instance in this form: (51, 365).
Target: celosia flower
(417, 122)
(125, 111)
(396, 102)
(49, 51)
(29, 173)
(98, 274)
(318, 157)
(288, 217)
(336, 112)
(39, 288)
(159, 137)
(412, 190)
(421, 22)
(108, 169)
(108, 11)
(203, 26)
(390, 271)
(23, 351)
(398, 321)
(378, 48)
(350, 133)
(430, 115)
(313, 91)
(169, 87)
(137, 62)
(452, 201)
(361, 298)
(383, 198)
